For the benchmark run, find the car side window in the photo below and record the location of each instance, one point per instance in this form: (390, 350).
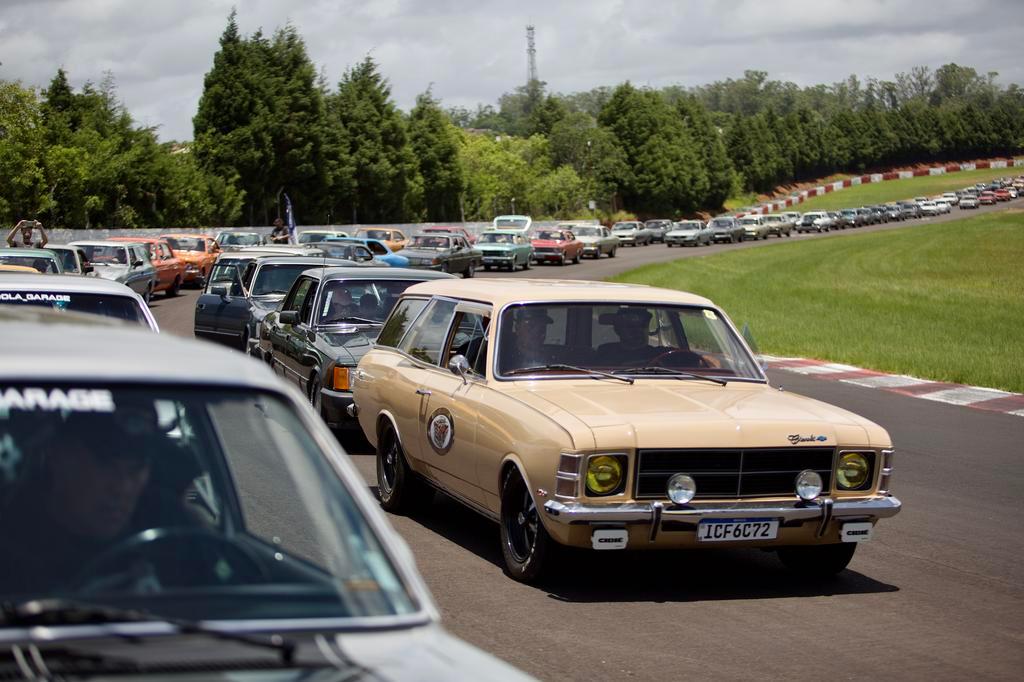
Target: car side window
(470, 340)
(426, 339)
(307, 304)
(297, 296)
(398, 323)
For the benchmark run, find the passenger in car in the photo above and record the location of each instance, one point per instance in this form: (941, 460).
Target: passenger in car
(528, 333)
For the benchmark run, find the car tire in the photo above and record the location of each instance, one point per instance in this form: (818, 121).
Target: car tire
(611, 254)
(526, 265)
(487, 268)
(469, 271)
(148, 296)
(578, 258)
(399, 488)
(525, 544)
(444, 267)
(817, 561)
(315, 397)
(561, 260)
(174, 289)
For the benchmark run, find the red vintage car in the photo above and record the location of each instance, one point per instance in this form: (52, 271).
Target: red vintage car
(1002, 194)
(987, 198)
(556, 246)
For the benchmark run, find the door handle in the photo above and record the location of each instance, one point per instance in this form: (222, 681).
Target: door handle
(423, 391)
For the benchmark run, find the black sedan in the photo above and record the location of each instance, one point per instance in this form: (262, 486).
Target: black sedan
(327, 322)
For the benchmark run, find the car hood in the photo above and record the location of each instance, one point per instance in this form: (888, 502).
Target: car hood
(495, 247)
(549, 243)
(423, 253)
(722, 228)
(682, 233)
(348, 343)
(589, 239)
(116, 273)
(670, 413)
(418, 653)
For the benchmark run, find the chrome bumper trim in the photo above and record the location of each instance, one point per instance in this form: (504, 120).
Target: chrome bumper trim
(574, 513)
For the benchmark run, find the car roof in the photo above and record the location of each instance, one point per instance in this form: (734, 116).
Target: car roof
(97, 242)
(65, 283)
(20, 251)
(513, 233)
(357, 272)
(57, 247)
(319, 261)
(101, 352)
(185, 234)
(147, 240)
(501, 292)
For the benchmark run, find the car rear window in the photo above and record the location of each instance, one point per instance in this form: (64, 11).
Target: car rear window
(106, 305)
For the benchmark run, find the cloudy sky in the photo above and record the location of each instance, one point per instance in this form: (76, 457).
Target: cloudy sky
(472, 52)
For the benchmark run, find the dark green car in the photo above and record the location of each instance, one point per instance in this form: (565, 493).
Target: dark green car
(329, 319)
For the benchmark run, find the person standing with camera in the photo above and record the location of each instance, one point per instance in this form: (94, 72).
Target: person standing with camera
(27, 227)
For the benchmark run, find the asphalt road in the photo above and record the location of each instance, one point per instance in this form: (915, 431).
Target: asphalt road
(939, 592)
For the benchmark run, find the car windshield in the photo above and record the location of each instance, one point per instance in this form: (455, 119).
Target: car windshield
(620, 338)
(355, 251)
(623, 227)
(238, 239)
(374, 234)
(429, 241)
(187, 243)
(205, 504)
(277, 278)
(491, 238)
(510, 222)
(721, 223)
(550, 234)
(107, 305)
(357, 300)
(44, 264)
(749, 221)
(687, 226)
(309, 237)
(587, 231)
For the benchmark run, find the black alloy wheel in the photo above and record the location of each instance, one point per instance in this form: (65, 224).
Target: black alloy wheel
(400, 489)
(525, 544)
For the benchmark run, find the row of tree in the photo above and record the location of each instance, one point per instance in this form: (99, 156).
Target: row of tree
(268, 124)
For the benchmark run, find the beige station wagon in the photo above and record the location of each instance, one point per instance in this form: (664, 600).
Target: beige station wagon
(611, 417)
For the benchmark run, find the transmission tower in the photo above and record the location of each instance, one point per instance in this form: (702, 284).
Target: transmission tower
(531, 56)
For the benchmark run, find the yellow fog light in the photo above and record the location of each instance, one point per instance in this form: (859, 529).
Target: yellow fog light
(340, 382)
(853, 470)
(604, 474)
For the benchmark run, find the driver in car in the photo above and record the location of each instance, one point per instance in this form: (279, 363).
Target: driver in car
(633, 348)
(81, 498)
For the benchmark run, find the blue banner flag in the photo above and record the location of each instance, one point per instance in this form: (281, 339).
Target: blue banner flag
(293, 237)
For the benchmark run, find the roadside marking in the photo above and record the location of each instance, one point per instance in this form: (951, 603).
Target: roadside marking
(975, 397)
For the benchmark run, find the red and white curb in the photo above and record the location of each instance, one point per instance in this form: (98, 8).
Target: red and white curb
(975, 397)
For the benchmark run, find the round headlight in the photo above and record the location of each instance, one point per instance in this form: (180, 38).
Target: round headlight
(853, 470)
(604, 474)
(808, 485)
(681, 488)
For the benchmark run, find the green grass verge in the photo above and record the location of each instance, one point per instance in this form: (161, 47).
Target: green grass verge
(896, 190)
(942, 301)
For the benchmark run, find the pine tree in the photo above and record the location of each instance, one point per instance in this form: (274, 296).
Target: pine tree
(435, 143)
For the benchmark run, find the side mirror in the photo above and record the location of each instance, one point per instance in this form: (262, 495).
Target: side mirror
(288, 316)
(219, 290)
(87, 268)
(137, 263)
(459, 366)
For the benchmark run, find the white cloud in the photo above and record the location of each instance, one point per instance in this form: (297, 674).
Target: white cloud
(159, 51)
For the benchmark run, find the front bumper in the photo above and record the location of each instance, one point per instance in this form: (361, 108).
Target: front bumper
(549, 256)
(334, 408)
(661, 524)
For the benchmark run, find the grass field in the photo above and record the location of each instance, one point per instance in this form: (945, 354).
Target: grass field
(942, 301)
(895, 190)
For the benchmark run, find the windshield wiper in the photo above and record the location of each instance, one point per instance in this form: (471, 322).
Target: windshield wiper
(353, 318)
(594, 373)
(72, 612)
(674, 372)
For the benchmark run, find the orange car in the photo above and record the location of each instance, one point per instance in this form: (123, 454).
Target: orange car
(170, 270)
(395, 239)
(198, 251)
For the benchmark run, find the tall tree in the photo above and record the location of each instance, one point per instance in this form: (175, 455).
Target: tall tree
(387, 187)
(435, 143)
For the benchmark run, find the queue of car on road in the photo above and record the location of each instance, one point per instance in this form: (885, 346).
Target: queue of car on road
(201, 504)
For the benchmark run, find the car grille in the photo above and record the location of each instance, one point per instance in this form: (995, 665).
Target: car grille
(756, 472)
(547, 250)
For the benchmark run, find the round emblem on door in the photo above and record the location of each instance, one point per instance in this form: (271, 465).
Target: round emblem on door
(441, 431)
